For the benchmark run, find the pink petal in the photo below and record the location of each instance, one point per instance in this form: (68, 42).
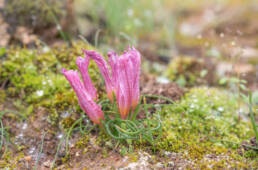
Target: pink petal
(103, 69)
(136, 60)
(85, 100)
(123, 102)
(83, 64)
(133, 68)
(124, 89)
(113, 62)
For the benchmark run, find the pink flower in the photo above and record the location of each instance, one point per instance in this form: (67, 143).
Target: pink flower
(123, 91)
(83, 64)
(128, 93)
(103, 69)
(85, 99)
(124, 82)
(132, 66)
(113, 62)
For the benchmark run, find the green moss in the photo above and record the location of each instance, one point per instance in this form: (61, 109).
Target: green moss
(11, 161)
(83, 141)
(2, 96)
(67, 122)
(133, 157)
(251, 154)
(202, 123)
(186, 70)
(105, 153)
(27, 12)
(34, 75)
(53, 116)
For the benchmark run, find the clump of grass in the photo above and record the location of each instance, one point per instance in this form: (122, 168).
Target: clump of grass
(122, 131)
(40, 151)
(76, 126)
(5, 139)
(252, 117)
(139, 130)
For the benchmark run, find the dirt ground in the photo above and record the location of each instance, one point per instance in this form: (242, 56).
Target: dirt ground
(27, 136)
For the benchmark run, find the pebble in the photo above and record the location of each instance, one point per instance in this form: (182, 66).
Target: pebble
(167, 153)
(171, 164)
(160, 165)
(47, 163)
(77, 154)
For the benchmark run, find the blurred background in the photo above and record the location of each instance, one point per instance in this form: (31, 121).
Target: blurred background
(190, 42)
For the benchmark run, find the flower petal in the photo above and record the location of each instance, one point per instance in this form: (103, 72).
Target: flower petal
(92, 109)
(113, 62)
(132, 66)
(123, 88)
(136, 60)
(103, 69)
(83, 64)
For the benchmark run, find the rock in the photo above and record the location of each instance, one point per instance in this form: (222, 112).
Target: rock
(47, 163)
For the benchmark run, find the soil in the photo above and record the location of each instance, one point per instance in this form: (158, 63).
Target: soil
(27, 136)
(149, 85)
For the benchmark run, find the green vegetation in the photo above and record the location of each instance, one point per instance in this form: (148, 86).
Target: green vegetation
(122, 16)
(187, 71)
(132, 129)
(127, 22)
(33, 77)
(205, 122)
(36, 13)
(198, 45)
(252, 117)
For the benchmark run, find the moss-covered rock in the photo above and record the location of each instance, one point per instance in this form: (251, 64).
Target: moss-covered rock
(33, 13)
(34, 77)
(204, 122)
(190, 71)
